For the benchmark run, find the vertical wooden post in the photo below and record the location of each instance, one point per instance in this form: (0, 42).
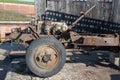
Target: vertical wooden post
(116, 11)
(40, 7)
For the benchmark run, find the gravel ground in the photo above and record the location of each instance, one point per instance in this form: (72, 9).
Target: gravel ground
(78, 67)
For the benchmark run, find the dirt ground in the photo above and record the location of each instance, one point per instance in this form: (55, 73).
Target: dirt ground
(78, 67)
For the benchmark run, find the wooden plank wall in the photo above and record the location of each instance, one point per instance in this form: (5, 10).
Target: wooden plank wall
(108, 10)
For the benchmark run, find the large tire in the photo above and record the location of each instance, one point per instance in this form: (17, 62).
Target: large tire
(45, 56)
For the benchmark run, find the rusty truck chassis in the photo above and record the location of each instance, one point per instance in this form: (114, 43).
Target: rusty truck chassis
(67, 35)
(71, 37)
(45, 62)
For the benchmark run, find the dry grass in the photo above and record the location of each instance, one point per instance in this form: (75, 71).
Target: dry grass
(12, 16)
(17, 1)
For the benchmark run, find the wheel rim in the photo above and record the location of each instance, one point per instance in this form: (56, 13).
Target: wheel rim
(46, 57)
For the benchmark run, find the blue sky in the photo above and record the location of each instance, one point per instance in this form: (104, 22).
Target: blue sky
(28, 0)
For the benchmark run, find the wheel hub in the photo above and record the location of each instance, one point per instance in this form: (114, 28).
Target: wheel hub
(46, 57)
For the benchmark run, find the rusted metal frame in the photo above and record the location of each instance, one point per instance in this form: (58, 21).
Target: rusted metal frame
(97, 41)
(92, 40)
(27, 37)
(34, 32)
(22, 36)
(19, 53)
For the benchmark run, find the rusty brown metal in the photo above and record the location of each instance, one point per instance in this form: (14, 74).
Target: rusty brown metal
(95, 40)
(46, 57)
(19, 53)
(50, 29)
(34, 32)
(23, 37)
(76, 21)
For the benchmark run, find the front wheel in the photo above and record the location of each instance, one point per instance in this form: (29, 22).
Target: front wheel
(45, 56)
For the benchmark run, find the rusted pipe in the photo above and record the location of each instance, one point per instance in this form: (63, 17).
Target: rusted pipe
(75, 22)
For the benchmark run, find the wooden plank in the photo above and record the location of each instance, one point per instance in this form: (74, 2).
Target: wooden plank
(105, 10)
(40, 7)
(116, 11)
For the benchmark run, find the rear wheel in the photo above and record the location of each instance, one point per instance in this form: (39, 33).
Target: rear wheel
(45, 56)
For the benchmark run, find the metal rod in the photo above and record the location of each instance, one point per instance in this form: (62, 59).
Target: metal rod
(46, 3)
(75, 22)
(34, 32)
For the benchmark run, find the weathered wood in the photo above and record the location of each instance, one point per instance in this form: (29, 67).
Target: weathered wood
(116, 11)
(107, 10)
(40, 7)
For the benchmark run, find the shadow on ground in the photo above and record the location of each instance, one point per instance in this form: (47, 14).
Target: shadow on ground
(4, 67)
(5, 49)
(115, 77)
(12, 46)
(92, 59)
(18, 65)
